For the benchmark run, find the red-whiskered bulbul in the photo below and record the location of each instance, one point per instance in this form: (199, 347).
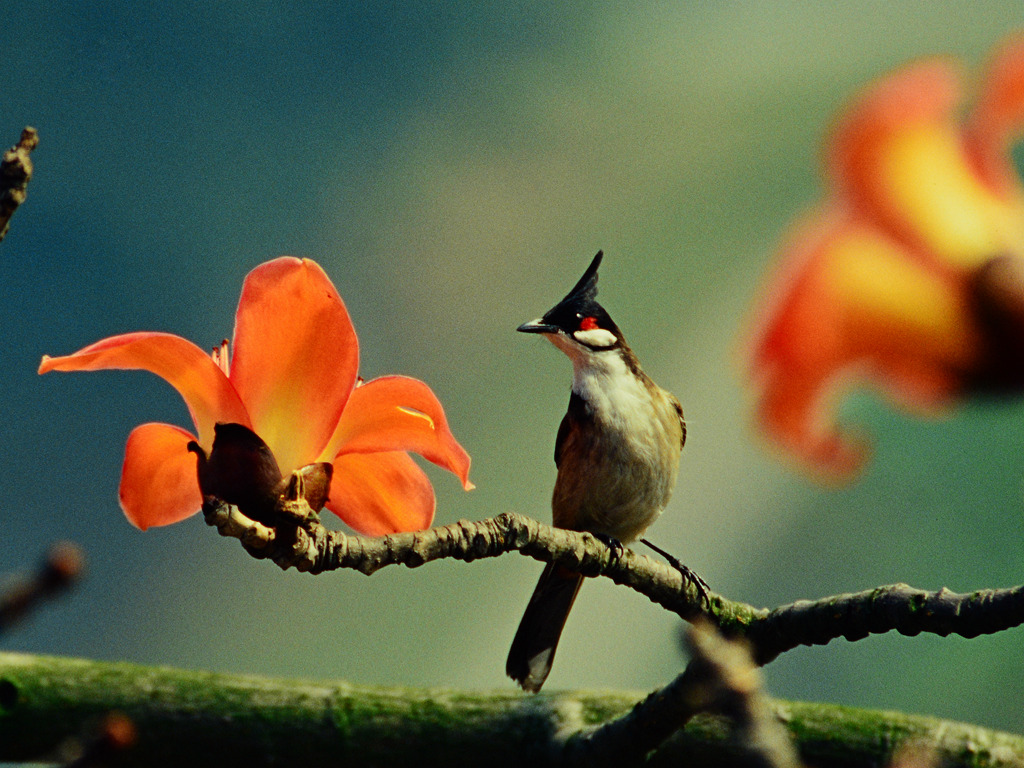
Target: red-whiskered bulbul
(617, 454)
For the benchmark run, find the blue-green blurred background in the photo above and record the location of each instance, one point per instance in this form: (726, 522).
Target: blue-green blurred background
(454, 167)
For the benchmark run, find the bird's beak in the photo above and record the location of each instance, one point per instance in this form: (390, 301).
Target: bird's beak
(537, 326)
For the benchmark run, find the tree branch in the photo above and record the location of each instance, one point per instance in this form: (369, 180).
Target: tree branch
(311, 547)
(721, 677)
(15, 173)
(204, 719)
(897, 607)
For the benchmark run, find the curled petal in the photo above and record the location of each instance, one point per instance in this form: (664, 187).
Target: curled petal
(898, 157)
(850, 300)
(158, 481)
(397, 413)
(207, 392)
(997, 119)
(381, 493)
(296, 357)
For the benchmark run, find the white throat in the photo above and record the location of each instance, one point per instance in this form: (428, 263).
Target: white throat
(616, 394)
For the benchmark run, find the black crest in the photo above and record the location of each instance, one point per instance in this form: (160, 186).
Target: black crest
(579, 309)
(585, 291)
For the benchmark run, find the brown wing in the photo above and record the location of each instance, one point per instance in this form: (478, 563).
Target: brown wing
(577, 410)
(682, 421)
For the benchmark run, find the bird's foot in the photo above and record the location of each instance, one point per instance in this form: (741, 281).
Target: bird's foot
(689, 576)
(616, 546)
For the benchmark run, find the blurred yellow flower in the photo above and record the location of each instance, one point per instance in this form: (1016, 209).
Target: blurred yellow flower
(909, 275)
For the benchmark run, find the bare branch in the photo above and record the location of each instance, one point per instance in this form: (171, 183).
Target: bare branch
(897, 607)
(313, 548)
(15, 173)
(309, 546)
(733, 686)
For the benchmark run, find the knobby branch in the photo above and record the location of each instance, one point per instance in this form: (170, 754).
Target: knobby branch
(308, 546)
(721, 675)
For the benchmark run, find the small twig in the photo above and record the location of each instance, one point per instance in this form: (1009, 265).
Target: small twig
(721, 677)
(15, 173)
(63, 565)
(629, 738)
(733, 686)
(313, 548)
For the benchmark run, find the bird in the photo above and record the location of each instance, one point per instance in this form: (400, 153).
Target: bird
(617, 453)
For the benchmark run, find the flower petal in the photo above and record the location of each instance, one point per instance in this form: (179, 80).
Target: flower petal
(998, 117)
(899, 158)
(851, 299)
(398, 413)
(207, 392)
(381, 493)
(296, 357)
(158, 481)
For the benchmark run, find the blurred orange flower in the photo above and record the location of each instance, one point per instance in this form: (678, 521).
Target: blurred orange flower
(909, 276)
(287, 399)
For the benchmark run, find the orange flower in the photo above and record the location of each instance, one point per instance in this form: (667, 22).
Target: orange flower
(910, 274)
(292, 399)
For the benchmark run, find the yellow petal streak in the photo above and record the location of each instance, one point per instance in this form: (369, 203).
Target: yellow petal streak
(892, 302)
(943, 202)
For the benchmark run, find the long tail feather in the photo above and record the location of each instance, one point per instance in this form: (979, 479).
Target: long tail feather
(533, 649)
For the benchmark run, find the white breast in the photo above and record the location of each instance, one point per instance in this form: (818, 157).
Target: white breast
(633, 474)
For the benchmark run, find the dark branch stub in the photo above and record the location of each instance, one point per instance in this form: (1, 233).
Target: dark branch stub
(62, 567)
(15, 173)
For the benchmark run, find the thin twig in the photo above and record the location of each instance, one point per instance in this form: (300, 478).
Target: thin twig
(15, 173)
(63, 566)
(313, 548)
(733, 686)
(629, 738)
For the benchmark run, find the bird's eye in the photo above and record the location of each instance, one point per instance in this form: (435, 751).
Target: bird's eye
(588, 324)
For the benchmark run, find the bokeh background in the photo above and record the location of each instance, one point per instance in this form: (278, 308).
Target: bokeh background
(454, 167)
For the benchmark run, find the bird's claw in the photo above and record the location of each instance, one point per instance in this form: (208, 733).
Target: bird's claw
(703, 590)
(615, 546)
(689, 576)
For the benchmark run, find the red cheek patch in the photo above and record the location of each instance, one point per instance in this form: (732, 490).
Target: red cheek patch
(588, 324)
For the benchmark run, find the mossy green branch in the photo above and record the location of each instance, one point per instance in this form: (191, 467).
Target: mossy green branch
(205, 719)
